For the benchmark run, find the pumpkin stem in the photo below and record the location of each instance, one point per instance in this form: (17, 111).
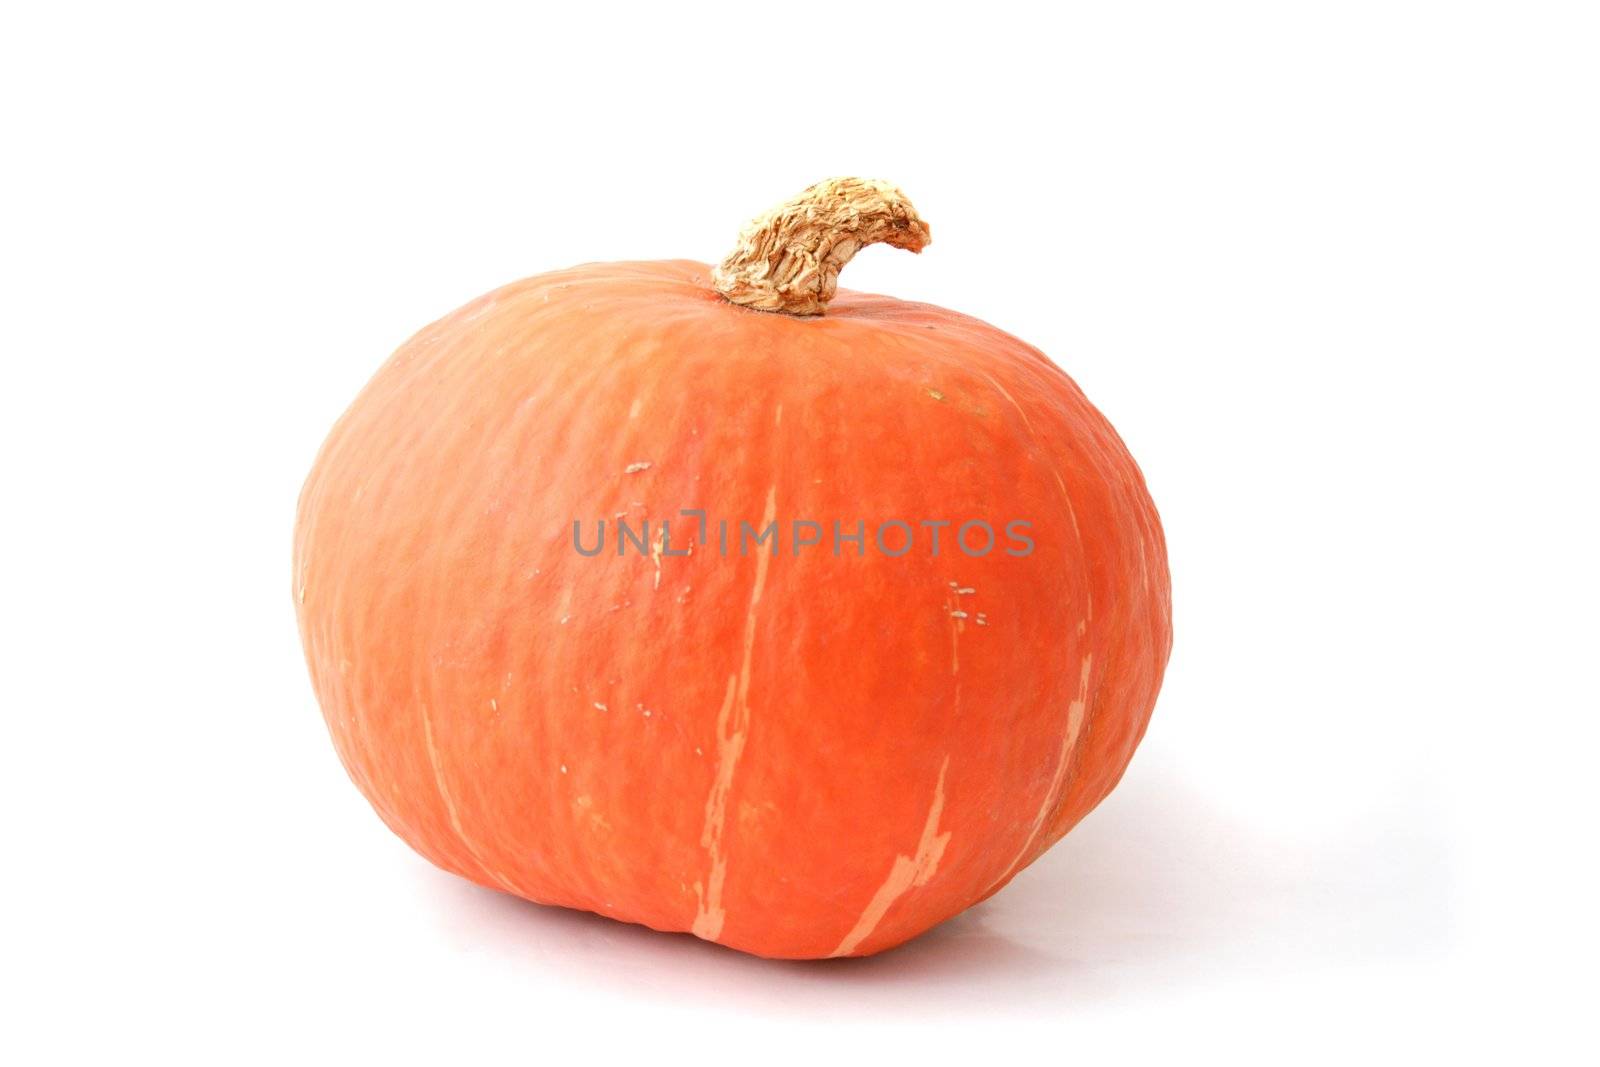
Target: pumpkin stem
(789, 259)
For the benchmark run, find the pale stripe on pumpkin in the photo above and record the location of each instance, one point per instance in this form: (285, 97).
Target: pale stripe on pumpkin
(450, 808)
(906, 873)
(1058, 780)
(710, 914)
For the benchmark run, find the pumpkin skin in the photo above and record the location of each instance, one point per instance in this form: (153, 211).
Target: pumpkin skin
(795, 755)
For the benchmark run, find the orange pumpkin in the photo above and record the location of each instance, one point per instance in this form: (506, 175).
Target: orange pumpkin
(817, 742)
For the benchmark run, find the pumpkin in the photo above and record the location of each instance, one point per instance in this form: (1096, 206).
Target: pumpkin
(729, 603)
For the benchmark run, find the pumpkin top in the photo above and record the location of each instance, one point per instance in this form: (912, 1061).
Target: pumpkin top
(788, 260)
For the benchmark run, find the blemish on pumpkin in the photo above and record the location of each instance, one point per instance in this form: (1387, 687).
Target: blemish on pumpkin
(583, 809)
(635, 468)
(959, 614)
(633, 411)
(600, 707)
(752, 814)
(936, 395)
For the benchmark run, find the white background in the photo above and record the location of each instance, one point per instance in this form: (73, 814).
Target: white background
(1331, 269)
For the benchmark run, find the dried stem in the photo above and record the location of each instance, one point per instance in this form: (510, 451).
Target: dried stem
(789, 259)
